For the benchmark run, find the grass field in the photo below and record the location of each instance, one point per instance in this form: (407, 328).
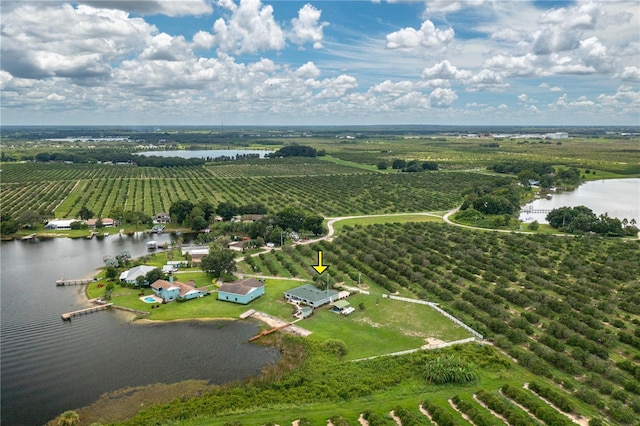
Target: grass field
(400, 218)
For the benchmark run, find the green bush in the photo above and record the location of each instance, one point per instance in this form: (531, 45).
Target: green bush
(449, 369)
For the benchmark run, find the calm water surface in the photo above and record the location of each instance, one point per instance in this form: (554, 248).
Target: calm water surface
(49, 365)
(206, 153)
(618, 198)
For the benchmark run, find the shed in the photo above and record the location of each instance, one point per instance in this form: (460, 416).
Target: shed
(342, 307)
(304, 312)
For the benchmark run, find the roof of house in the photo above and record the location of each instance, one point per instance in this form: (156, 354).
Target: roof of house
(61, 222)
(183, 288)
(311, 293)
(164, 284)
(105, 221)
(136, 271)
(242, 287)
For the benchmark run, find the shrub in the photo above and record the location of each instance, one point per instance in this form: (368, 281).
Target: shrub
(449, 369)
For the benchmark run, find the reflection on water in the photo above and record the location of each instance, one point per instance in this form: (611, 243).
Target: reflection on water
(618, 198)
(50, 365)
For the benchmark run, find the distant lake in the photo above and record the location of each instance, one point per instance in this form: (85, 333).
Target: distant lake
(206, 153)
(619, 198)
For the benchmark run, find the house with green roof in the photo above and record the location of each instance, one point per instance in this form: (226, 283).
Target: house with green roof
(310, 295)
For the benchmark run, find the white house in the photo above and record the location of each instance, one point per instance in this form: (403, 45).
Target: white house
(162, 218)
(130, 276)
(59, 224)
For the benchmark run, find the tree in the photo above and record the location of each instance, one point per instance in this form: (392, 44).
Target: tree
(68, 418)
(398, 163)
(208, 209)
(123, 258)
(77, 225)
(180, 210)
(429, 165)
(290, 218)
(99, 223)
(141, 280)
(29, 219)
(382, 165)
(227, 210)
(110, 273)
(533, 226)
(117, 214)
(8, 225)
(85, 213)
(218, 262)
(154, 275)
(198, 223)
(493, 204)
(314, 224)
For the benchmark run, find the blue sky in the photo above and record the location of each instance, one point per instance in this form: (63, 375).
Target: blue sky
(203, 62)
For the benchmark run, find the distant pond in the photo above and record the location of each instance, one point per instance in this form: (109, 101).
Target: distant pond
(206, 153)
(619, 198)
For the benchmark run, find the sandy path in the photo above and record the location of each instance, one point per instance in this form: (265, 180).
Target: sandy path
(576, 418)
(490, 410)
(426, 413)
(362, 420)
(464, 416)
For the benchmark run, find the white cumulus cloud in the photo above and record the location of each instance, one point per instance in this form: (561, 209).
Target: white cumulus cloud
(251, 28)
(427, 37)
(307, 28)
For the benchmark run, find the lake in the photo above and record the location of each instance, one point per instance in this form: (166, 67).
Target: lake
(618, 198)
(50, 365)
(206, 153)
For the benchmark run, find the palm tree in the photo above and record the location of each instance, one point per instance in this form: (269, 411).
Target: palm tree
(68, 418)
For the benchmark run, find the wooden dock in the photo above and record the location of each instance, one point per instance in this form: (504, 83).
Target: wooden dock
(63, 282)
(265, 332)
(67, 316)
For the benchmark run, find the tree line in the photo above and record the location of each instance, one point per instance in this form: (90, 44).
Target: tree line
(113, 156)
(582, 219)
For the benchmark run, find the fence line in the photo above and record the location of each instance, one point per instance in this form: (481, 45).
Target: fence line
(409, 351)
(355, 289)
(439, 309)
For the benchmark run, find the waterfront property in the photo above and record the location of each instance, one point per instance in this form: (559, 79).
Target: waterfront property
(161, 218)
(107, 222)
(130, 276)
(243, 291)
(311, 295)
(169, 291)
(195, 253)
(59, 224)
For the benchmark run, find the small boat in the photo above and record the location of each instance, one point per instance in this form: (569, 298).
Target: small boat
(548, 197)
(152, 245)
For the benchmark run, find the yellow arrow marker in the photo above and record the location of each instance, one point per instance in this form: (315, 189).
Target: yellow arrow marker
(320, 268)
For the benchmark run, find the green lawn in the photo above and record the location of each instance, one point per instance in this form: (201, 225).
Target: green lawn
(385, 219)
(384, 326)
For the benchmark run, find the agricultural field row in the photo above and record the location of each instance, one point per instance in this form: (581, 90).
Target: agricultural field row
(38, 172)
(483, 408)
(565, 308)
(328, 195)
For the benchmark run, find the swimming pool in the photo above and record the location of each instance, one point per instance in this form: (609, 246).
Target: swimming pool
(149, 299)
